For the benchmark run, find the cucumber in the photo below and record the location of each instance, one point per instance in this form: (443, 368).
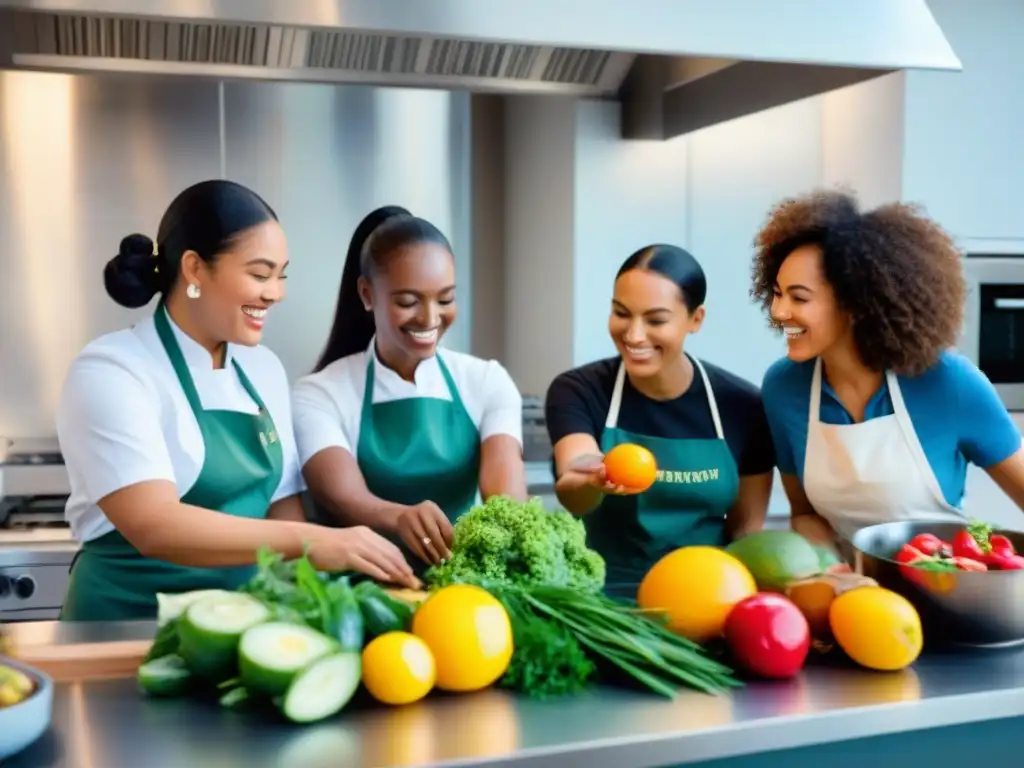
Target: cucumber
(171, 606)
(381, 612)
(345, 623)
(210, 629)
(165, 676)
(270, 655)
(323, 688)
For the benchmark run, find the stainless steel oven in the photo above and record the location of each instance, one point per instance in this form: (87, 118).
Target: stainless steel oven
(994, 327)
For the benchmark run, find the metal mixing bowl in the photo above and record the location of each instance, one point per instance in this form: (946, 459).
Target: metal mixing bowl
(981, 609)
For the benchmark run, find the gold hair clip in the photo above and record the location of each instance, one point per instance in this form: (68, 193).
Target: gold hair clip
(156, 250)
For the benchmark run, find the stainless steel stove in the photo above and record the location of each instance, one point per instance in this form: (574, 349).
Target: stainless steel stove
(36, 548)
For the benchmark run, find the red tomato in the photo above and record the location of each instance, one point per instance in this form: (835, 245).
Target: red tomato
(768, 635)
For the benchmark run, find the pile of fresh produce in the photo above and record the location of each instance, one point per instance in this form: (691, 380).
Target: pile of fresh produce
(772, 595)
(520, 605)
(566, 634)
(973, 548)
(291, 636)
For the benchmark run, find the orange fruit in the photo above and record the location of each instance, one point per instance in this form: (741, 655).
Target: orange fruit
(877, 628)
(469, 632)
(398, 668)
(696, 587)
(631, 466)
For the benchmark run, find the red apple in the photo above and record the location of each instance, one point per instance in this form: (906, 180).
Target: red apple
(768, 635)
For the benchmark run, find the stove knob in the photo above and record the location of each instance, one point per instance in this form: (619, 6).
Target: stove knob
(24, 587)
(5, 585)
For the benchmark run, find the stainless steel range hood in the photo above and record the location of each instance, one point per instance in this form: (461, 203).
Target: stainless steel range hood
(676, 65)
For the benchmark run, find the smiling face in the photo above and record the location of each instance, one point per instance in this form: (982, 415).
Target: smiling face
(413, 302)
(241, 284)
(805, 306)
(649, 322)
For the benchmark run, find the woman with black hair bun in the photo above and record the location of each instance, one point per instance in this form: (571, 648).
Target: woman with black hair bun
(705, 427)
(394, 431)
(177, 432)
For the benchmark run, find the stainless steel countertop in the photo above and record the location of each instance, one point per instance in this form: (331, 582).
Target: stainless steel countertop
(110, 724)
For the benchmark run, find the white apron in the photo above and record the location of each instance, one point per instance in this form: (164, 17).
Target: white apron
(856, 475)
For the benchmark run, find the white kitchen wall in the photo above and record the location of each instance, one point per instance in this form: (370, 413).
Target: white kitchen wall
(964, 144)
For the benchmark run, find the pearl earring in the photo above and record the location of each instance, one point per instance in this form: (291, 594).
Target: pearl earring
(192, 291)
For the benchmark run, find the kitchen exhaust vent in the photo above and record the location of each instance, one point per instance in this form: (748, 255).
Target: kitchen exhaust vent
(111, 42)
(249, 45)
(675, 65)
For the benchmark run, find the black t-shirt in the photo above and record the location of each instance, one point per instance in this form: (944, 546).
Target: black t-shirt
(578, 401)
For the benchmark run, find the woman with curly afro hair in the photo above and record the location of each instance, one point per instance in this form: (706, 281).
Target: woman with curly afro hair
(873, 413)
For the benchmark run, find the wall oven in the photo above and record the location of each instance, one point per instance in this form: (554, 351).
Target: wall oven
(994, 327)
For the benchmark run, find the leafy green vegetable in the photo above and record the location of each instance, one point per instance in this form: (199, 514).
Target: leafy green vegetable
(610, 633)
(548, 660)
(277, 583)
(637, 642)
(521, 543)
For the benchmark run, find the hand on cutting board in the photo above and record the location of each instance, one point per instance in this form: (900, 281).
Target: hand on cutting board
(589, 469)
(426, 530)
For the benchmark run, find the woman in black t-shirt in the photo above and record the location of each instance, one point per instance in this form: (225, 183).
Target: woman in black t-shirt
(706, 427)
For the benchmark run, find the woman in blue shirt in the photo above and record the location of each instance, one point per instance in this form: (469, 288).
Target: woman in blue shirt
(873, 415)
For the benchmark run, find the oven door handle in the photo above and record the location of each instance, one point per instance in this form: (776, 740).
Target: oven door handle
(1009, 303)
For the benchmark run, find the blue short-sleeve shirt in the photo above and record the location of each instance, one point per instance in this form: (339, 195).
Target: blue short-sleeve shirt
(953, 406)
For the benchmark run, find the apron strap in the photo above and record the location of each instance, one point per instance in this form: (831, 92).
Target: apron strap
(612, 419)
(712, 402)
(899, 409)
(814, 410)
(452, 389)
(247, 385)
(173, 350)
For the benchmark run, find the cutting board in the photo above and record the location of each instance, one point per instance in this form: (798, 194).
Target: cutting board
(75, 662)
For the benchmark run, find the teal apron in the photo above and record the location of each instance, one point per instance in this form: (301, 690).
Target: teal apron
(112, 581)
(698, 482)
(420, 449)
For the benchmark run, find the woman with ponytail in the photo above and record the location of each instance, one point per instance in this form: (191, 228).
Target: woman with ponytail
(393, 431)
(177, 432)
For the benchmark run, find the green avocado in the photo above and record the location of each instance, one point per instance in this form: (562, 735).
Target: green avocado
(777, 558)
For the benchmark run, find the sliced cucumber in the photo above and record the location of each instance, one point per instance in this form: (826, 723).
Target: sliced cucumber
(210, 629)
(270, 655)
(171, 606)
(323, 688)
(165, 676)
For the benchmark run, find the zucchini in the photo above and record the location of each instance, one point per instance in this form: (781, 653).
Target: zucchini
(271, 654)
(165, 676)
(210, 629)
(381, 612)
(345, 621)
(323, 688)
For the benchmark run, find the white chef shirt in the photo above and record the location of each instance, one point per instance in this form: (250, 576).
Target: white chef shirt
(123, 417)
(327, 406)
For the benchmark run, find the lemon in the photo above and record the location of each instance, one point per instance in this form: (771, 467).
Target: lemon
(877, 628)
(398, 668)
(469, 633)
